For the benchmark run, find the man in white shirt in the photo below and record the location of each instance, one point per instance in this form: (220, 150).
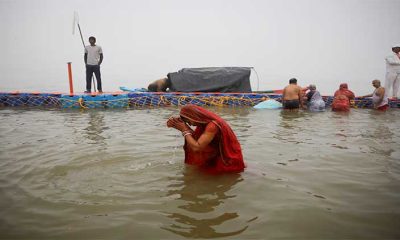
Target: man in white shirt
(393, 71)
(380, 99)
(93, 58)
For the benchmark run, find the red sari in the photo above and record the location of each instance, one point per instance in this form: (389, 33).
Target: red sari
(344, 90)
(224, 153)
(342, 97)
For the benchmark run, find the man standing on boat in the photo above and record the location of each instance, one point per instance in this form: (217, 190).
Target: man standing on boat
(393, 71)
(93, 58)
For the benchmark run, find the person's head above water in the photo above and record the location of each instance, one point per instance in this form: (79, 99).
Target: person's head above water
(193, 115)
(376, 83)
(293, 81)
(343, 86)
(312, 87)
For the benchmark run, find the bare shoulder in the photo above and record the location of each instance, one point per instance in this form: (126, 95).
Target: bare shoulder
(381, 90)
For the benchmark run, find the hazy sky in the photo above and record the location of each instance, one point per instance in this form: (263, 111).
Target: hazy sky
(325, 42)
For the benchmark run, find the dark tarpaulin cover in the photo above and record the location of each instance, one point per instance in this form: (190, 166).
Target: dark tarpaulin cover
(211, 79)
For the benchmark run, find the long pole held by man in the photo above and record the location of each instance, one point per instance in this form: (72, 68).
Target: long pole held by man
(93, 58)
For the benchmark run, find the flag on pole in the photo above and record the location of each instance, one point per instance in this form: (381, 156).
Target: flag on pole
(75, 22)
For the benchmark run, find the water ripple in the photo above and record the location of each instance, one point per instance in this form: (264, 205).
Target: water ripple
(118, 174)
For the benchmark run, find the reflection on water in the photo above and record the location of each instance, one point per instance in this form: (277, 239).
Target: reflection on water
(201, 194)
(381, 139)
(95, 127)
(288, 126)
(290, 118)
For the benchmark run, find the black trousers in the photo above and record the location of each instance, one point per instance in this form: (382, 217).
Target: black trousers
(90, 69)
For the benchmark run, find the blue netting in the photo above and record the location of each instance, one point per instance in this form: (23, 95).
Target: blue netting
(146, 99)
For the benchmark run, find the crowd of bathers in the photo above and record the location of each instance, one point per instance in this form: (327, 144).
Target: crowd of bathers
(295, 97)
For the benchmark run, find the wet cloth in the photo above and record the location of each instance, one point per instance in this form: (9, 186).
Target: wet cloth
(291, 104)
(375, 99)
(315, 103)
(344, 90)
(341, 103)
(269, 104)
(383, 108)
(342, 97)
(224, 153)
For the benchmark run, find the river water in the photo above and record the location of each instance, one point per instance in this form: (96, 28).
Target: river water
(119, 174)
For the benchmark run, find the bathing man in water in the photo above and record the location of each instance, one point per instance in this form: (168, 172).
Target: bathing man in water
(292, 95)
(380, 99)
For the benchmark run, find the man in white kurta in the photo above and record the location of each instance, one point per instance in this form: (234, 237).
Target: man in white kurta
(393, 71)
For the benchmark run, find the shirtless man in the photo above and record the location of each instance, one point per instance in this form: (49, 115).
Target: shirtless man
(379, 96)
(292, 95)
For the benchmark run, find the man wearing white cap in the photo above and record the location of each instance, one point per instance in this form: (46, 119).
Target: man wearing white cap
(393, 71)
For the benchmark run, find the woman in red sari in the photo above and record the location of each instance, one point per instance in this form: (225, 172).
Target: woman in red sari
(342, 98)
(212, 145)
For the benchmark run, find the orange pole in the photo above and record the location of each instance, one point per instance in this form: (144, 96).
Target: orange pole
(71, 85)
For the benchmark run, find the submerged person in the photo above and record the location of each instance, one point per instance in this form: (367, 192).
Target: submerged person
(380, 100)
(292, 95)
(213, 145)
(315, 103)
(393, 71)
(343, 98)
